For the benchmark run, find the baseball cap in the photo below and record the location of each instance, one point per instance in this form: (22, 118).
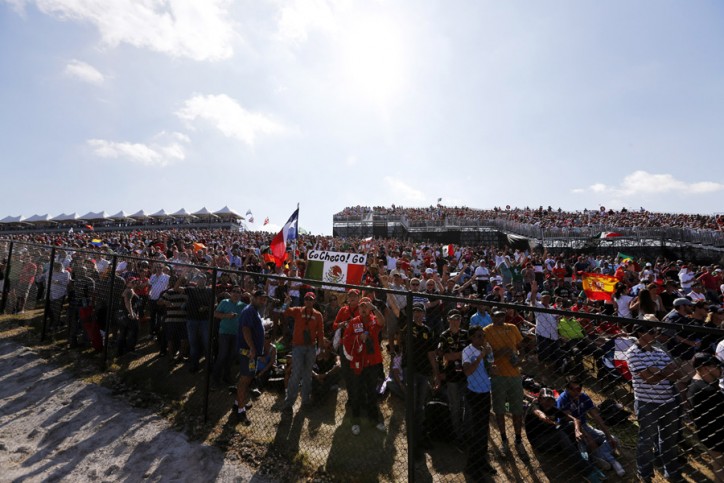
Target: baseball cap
(353, 291)
(702, 359)
(310, 295)
(716, 309)
(546, 393)
(259, 293)
(453, 314)
(429, 271)
(681, 301)
(418, 307)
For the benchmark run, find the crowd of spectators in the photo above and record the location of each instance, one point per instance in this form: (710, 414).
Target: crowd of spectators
(465, 352)
(548, 217)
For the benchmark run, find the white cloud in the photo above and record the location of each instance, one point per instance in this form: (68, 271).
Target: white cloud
(199, 30)
(645, 183)
(84, 72)
(164, 150)
(402, 191)
(298, 17)
(229, 117)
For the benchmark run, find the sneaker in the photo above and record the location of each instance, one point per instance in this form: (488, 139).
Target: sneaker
(244, 419)
(255, 393)
(520, 448)
(505, 449)
(618, 468)
(381, 427)
(356, 430)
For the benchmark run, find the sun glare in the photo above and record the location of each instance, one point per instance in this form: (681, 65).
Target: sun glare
(374, 61)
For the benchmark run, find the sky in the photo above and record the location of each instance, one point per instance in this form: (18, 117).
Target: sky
(263, 104)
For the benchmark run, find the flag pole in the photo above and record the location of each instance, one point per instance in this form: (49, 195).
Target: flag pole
(296, 235)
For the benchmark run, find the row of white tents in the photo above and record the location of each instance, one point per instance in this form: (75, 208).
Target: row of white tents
(224, 213)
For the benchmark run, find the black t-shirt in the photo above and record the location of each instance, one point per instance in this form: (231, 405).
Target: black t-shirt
(453, 342)
(423, 341)
(323, 364)
(707, 402)
(535, 428)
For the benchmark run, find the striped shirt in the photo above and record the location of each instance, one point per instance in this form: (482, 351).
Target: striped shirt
(176, 301)
(639, 360)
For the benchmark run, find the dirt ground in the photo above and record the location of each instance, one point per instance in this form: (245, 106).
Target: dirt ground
(54, 427)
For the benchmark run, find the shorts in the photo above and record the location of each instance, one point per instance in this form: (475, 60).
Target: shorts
(244, 369)
(507, 389)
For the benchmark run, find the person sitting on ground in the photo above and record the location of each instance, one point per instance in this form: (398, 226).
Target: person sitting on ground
(326, 372)
(551, 430)
(599, 443)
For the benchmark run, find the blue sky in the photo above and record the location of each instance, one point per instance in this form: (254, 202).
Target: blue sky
(258, 105)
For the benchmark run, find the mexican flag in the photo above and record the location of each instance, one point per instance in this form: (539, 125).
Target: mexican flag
(448, 251)
(335, 267)
(597, 286)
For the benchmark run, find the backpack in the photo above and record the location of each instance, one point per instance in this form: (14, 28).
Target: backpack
(613, 413)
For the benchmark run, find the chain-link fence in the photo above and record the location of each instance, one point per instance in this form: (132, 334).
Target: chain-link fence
(417, 384)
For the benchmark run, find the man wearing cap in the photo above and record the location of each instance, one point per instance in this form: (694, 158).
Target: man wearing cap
(361, 342)
(452, 342)
(477, 396)
(656, 405)
(682, 344)
(250, 345)
(505, 340)
(307, 336)
(348, 311)
(686, 278)
(707, 403)
(481, 317)
(424, 361)
(551, 430)
(546, 329)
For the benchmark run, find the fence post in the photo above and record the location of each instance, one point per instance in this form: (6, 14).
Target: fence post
(411, 392)
(6, 281)
(48, 283)
(207, 378)
(111, 308)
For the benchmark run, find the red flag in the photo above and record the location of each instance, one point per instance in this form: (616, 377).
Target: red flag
(90, 227)
(597, 286)
(278, 246)
(266, 220)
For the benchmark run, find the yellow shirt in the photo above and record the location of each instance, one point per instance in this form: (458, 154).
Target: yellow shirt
(502, 337)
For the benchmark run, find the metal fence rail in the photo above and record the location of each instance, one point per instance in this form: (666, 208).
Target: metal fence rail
(445, 412)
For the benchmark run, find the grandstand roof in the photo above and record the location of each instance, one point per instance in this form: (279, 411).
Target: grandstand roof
(12, 219)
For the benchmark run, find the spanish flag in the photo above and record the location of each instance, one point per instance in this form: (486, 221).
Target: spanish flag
(597, 286)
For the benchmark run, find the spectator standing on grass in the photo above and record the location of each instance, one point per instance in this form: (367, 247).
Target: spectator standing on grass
(307, 336)
(707, 402)
(598, 443)
(656, 405)
(477, 396)
(546, 329)
(128, 319)
(159, 283)
(507, 385)
(228, 311)
(452, 342)
(199, 304)
(362, 348)
(174, 301)
(250, 346)
(345, 314)
(426, 369)
(59, 283)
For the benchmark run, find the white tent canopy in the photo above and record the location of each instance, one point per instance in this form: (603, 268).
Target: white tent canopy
(121, 215)
(38, 218)
(139, 215)
(101, 215)
(12, 219)
(226, 211)
(159, 214)
(203, 212)
(63, 217)
(182, 212)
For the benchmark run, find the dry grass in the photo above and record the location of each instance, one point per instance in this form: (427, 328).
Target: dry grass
(314, 444)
